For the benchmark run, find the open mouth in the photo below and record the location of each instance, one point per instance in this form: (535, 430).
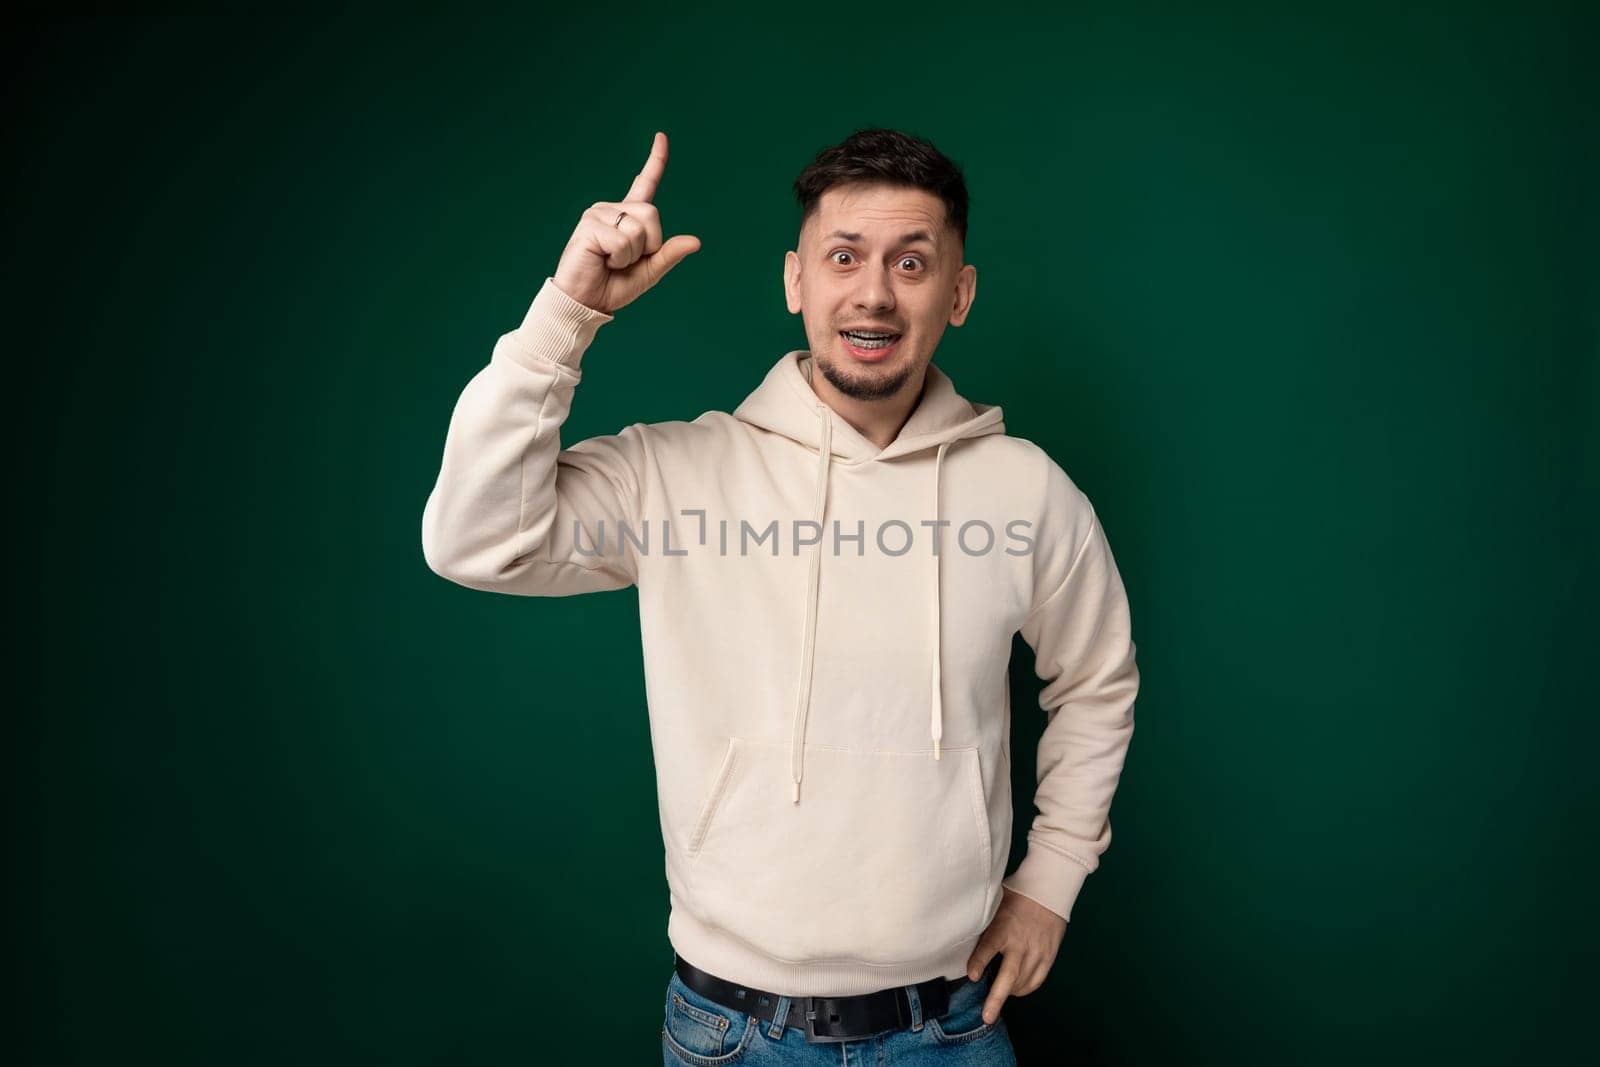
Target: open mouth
(869, 346)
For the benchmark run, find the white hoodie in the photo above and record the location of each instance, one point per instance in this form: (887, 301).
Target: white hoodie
(826, 679)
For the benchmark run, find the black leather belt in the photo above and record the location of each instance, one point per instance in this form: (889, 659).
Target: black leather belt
(827, 1018)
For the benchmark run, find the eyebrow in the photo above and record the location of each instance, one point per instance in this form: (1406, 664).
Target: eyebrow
(905, 239)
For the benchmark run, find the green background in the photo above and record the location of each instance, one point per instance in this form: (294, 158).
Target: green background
(1306, 303)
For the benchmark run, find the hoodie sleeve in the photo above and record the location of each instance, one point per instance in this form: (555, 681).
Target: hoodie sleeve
(514, 512)
(1081, 633)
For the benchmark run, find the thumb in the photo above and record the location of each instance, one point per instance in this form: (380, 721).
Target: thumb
(670, 254)
(978, 962)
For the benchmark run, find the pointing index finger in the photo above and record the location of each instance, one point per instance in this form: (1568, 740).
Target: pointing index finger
(644, 186)
(999, 991)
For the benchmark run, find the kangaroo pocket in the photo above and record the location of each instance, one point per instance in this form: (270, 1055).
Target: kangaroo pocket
(885, 859)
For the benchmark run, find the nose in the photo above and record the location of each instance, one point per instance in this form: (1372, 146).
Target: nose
(874, 293)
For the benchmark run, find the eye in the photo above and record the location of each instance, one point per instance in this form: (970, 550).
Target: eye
(834, 258)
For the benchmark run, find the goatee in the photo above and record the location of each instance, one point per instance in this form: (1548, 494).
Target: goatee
(875, 387)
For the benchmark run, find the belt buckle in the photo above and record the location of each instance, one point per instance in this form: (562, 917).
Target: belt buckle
(812, 1016)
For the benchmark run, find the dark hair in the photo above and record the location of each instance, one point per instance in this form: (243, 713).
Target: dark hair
(885, 156)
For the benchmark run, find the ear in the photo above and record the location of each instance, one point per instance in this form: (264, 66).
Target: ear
(966, 292)
(791, 281)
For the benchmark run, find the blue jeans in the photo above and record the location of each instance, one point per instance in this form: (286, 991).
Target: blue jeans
(703, 1033)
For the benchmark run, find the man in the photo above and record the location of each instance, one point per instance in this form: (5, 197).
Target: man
(829, 579)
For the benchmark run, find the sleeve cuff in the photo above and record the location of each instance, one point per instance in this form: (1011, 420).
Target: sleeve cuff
(1048, 878)
(557, 329)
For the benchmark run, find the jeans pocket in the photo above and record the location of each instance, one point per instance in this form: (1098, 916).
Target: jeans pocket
(698, 1030)
(963, 1022)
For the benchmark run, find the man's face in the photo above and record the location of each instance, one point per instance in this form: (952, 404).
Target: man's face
(877, 258)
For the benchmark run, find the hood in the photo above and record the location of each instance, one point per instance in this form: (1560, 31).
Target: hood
(785, 403)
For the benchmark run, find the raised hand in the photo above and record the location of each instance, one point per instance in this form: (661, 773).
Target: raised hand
(611, 261)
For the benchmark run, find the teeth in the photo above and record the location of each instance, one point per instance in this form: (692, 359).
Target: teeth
(871, 340)
(862, 341)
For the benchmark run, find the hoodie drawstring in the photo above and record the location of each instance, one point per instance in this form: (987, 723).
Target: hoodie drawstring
(937, 725)
(808, 651)
(797, 742)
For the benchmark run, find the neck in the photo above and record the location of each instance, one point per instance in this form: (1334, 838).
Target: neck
(879, 421)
